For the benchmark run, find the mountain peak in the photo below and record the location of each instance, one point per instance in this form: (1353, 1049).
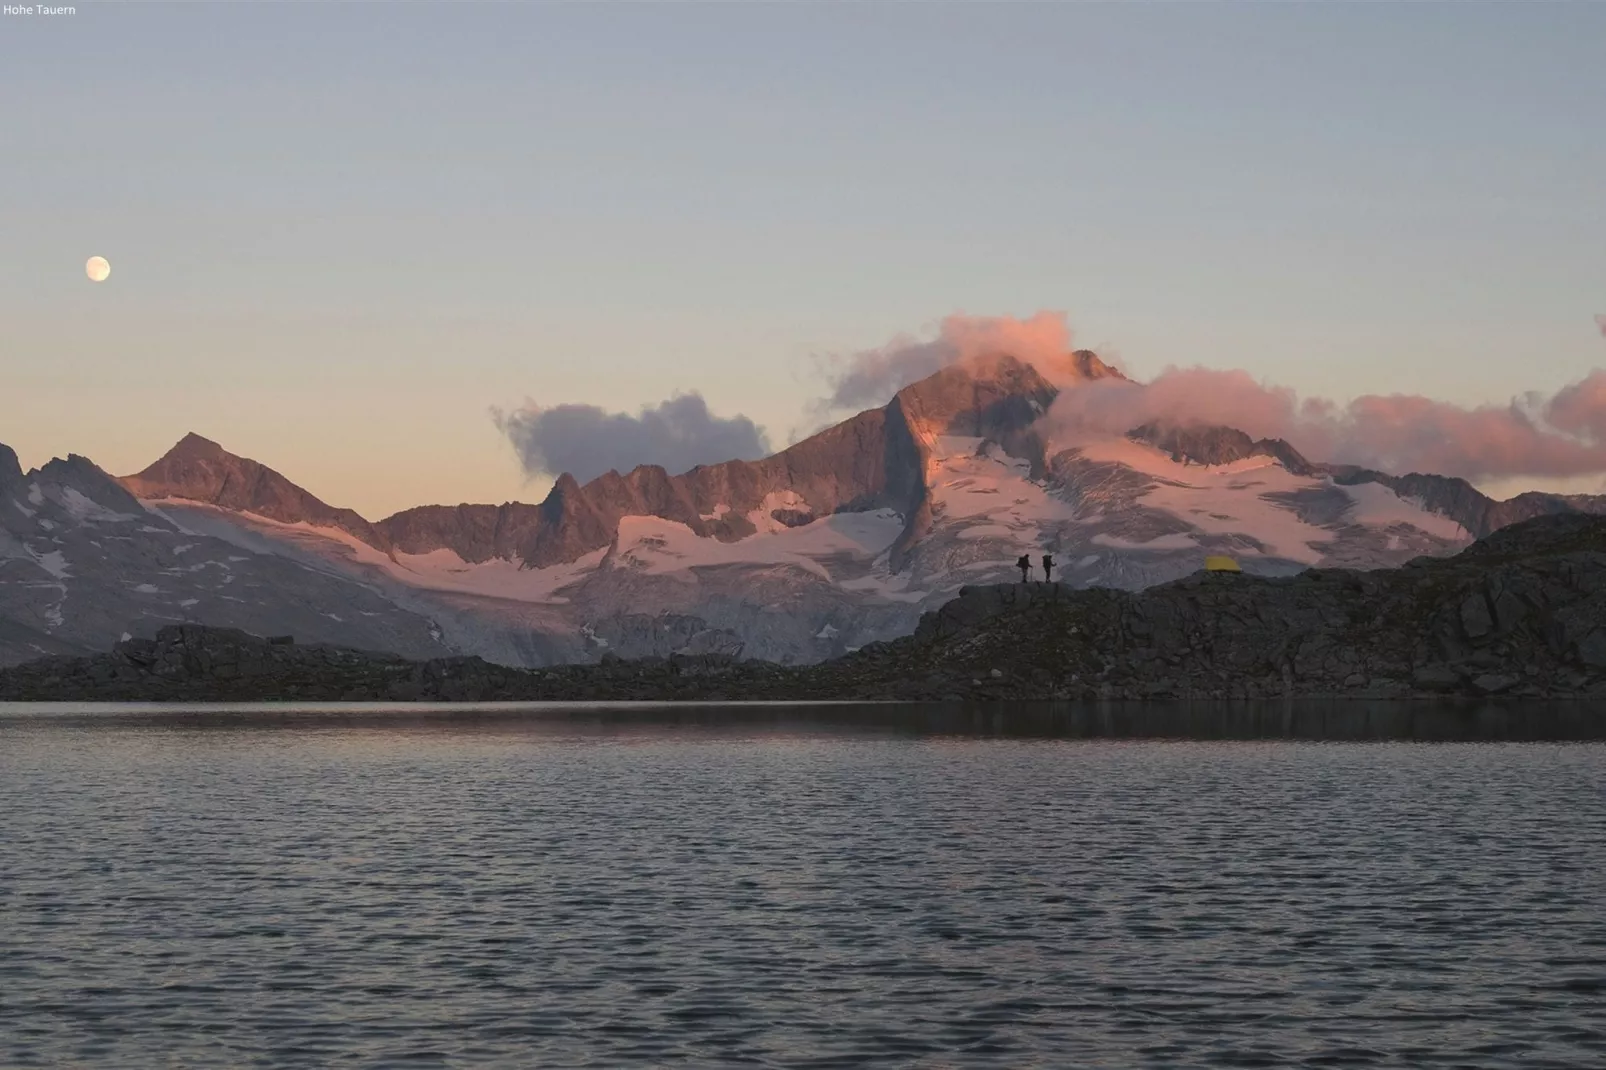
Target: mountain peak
(10, 467)
(193, 444)
(1089, 366)
(981, 396)
(199, 470)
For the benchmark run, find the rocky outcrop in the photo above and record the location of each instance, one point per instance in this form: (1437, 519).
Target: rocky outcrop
(1201, 444)
(10, 468)
(1520, 614)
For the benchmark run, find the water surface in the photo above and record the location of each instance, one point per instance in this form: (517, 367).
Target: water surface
(765, 886)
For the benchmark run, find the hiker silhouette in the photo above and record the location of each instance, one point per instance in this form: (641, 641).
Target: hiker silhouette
(1048, 569)
(1025, 566)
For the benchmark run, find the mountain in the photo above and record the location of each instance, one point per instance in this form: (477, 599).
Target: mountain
(81, 559)
(1447, 496)
(840, 540)
(1520, 613)
(198, 469)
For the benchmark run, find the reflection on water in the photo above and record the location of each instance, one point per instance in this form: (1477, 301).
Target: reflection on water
(1445, 721)
(843, 886)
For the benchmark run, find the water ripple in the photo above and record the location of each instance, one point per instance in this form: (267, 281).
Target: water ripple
(660, 896)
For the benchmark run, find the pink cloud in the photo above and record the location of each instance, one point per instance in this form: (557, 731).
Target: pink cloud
(870, 377)
(1562, 435)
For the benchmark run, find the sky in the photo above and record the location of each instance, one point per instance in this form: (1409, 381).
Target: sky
(355, 242)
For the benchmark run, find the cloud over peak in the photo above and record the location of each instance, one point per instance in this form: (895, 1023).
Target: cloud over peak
(1534, 435)
(1560, 435)
(1563, 434)
(870, 377)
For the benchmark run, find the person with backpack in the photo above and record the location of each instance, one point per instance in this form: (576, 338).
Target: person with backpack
(1025, 566)
(1048, 569)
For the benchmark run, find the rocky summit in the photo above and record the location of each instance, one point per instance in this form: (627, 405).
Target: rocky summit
(1520, 613)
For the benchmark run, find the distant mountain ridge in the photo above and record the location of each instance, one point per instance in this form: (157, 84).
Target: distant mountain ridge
(840, 540)
(869, 461)
(1448, 496)
(866, 462)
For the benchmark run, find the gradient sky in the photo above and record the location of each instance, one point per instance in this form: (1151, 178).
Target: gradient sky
(339, 234)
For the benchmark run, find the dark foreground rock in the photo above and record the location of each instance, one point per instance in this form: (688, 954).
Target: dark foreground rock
(1521, 613)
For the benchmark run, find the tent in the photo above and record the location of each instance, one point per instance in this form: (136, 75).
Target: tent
(1217, 563)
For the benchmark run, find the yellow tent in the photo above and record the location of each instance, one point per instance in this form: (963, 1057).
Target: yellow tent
(1217, 563)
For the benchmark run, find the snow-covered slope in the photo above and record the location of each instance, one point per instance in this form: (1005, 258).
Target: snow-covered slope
(83, 563)
(838, 541)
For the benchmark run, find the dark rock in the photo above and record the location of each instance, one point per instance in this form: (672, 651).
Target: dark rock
(792, 518)
(1592, 649)
(1476, 621)
(1437, 677)
(1494, 683)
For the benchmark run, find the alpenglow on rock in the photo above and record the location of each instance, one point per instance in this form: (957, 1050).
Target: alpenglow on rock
(841, 540)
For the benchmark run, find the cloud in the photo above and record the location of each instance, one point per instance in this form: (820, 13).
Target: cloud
(870, 377)
(586, 441)
(1562, 435)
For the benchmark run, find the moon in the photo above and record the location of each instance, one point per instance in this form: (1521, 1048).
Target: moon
(97, 269)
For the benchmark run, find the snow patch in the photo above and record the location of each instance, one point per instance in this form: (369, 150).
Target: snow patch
(155, 507)
(1378, 506)
(36, 496)
(55, 563)
(1202, 495)
(23, 509)
(88, 510)
(333, 550)
(657, 546)
(992, 490)
(1174, 541)
(761, 519)
(147, 588)
(188, 602)
(444, 570)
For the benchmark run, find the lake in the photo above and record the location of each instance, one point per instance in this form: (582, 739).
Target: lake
(837, 886)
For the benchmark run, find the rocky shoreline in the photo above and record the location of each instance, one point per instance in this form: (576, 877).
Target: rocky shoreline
(1520, 613)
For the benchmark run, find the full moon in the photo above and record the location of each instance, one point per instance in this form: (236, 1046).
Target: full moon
(97, 269)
